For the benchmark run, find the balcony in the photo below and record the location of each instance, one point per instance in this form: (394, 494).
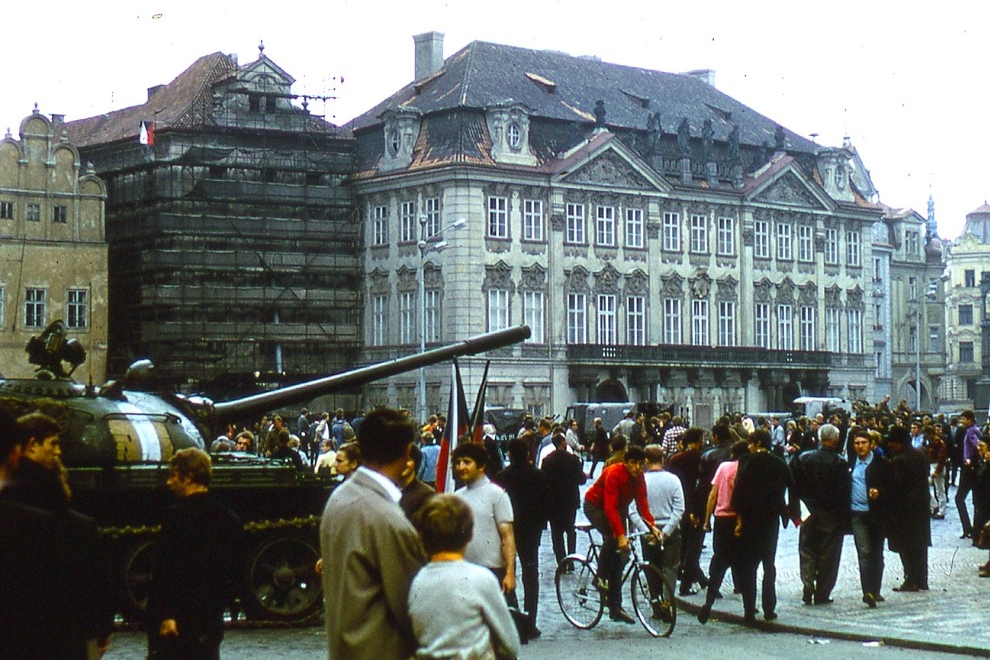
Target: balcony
(696, 356)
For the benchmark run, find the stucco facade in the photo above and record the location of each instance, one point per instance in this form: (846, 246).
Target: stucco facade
(53, 250)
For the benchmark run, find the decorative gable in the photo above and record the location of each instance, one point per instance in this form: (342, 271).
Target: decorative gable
(791, 191)
(610, 169)
(508, 127)
(401, 130)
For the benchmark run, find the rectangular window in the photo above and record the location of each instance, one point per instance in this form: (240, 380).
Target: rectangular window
(832, 329)
(877, 269)
(784, 242)
(432, 315)
(379, 229)
(634, 228)
(911, 242)
(912, 288)
(34, 212)
(432, 216)
(699, 323)
(881, 366)
(853, 256)
(498, 217)
(966, 351)
(807, 331)
(407, 220)
(965, 315)
(6, 210)
(35, 308)
(855, 324)
(77, 309)
(379, 321)
(60, 214)
(575, 223)
(3, 307)
(912, 339)
(605, 225)
(606, 320)
(577, 319)
(761, 239)
(726, 236)
(970, 277)
(672, 232)
(785, 327)
(699, 234)
(761, 325)
(407, 318)
(806, 243)
(726, 323)
(532, 220)
(933, 343)
(671, 321)
(498, 309)
(636, 321)
(831, 246)
(533, 315)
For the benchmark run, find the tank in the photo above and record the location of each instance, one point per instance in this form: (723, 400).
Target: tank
(117, 441)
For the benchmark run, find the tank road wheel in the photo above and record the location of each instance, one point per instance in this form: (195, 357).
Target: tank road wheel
(282, 584)
(136, 580)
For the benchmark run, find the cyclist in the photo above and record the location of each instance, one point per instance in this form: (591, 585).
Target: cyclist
(606, 504)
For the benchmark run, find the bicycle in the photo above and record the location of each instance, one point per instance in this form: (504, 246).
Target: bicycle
(582, 601)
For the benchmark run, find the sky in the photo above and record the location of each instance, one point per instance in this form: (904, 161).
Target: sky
(907, 85)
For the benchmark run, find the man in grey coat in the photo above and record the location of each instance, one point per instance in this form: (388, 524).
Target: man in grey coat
(370, 550)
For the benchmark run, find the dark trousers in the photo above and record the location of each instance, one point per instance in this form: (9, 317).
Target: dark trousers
(820, 549)
(610, 561)
(758, 545)
(667, 558)
(692, 540)
(724, 554)
(528, 549)
(561, 529)
(967, 476)
(869, 550)
(915, 563)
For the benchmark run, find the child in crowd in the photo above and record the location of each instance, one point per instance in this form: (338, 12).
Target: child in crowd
(457, 608)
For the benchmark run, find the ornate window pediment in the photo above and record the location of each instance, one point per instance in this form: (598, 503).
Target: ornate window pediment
(401, 130)
(508, 127)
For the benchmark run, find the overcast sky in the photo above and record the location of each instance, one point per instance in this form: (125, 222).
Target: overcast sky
(907, 85)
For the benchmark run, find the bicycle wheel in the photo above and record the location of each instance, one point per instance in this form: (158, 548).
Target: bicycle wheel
(579, 598)
(656, 614)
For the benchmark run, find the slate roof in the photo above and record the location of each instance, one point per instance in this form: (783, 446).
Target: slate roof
(186, 102)
(562, 87)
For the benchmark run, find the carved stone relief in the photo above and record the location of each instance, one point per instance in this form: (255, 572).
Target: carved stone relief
(610, 170)
(727, 287)
(672, 285)
(761, 291)
(378, 282)
(498, 276)
(789, 190)
(534, 278)
(406, 279)
(577, 280)
(607, 280)
(637, 283)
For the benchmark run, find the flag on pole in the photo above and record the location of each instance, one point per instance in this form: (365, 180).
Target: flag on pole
(457, 425)
(147, 133)
(478, 416)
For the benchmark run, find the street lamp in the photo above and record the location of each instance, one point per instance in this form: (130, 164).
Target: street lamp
(425, 247)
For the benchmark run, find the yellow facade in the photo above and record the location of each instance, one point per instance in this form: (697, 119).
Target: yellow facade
(53, 249)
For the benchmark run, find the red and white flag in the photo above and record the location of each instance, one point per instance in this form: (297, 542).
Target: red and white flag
(147, 133)
(457, 425)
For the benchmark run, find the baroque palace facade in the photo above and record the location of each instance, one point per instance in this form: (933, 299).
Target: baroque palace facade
(663, 241)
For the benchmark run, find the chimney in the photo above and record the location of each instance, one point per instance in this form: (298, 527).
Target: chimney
(429, 53)
(706, 76)
(153, 90)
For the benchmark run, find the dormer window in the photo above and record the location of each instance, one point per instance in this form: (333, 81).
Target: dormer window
(513, 136)
(400, 130)
(394, 142)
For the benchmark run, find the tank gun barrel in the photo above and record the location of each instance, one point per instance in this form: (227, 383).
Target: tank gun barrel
(266, 401)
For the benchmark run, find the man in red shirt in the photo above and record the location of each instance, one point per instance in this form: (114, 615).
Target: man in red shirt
(606, 504)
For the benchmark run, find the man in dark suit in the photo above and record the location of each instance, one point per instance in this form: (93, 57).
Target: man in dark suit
(821, 477)
(32, 571)
(529, 492)
(198, 565)
(687, 466)
(909, 519)
(758, 499)
(565, 473)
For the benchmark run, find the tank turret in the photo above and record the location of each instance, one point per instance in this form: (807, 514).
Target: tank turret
(118, 438)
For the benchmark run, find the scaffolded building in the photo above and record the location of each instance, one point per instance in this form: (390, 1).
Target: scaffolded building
(232, 247)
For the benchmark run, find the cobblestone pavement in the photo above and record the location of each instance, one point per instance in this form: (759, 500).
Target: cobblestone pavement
(949, 618)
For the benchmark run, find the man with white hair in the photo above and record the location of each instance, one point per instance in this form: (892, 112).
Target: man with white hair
(824, 485)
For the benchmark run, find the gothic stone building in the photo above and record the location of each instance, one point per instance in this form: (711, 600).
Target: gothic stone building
(663, 241)
(232, 247)
(53, 250)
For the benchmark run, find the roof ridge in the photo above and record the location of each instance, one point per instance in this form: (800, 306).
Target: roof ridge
(214, 75)
(468, 68)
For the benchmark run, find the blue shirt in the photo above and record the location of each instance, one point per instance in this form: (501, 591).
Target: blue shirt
(860, 496)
